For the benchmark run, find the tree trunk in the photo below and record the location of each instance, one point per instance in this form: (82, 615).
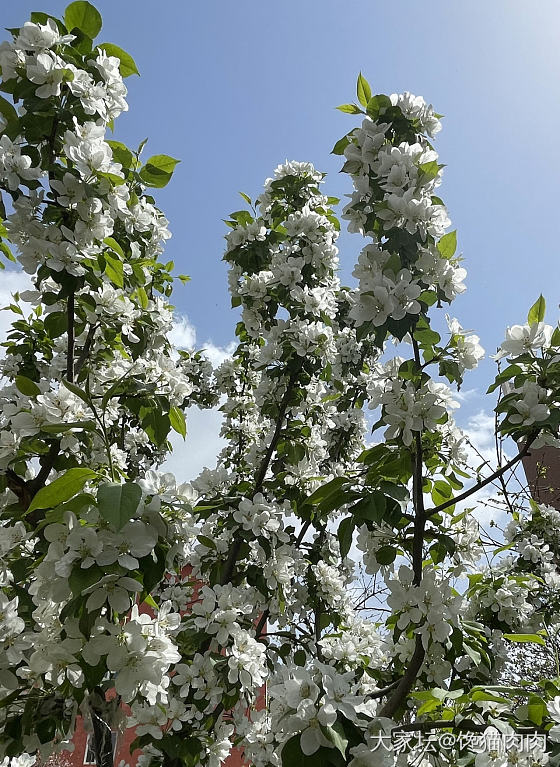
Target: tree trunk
(102, 740)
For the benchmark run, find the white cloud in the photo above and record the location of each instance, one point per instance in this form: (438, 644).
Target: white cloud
(183, 336)
(201, 447)
(480, 432)
(203, 442)
(466, 395)
(217, 354)
(10, 282)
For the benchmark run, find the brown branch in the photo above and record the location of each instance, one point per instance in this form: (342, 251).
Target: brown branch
(409, 678)
(384, 690)
(262, 622)
(19, 487)
(479, 485)
(261, 474)
(405, 684)
(26, 490)
(46, 463)
(85, 351)
(70, 346)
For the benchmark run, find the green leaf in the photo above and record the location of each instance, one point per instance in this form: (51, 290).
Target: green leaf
(152, 569)
(371, 508)
(441, 492)
(114, 269)
(184, 750)
(447, 245)
(483, 695)
(429, 297)
(38, 17)
(345, 534)
(505, 375)
(184, 278)
(118, 503)
(536, 709)
(80, 579)
(56, 324)
(122, 155)
(206, 541)
(158, 170)
(83, 16)
(8, 112)
(429, 169)
(473, 653)
(428, 706)
(156, 425)
(438, 552)
(363, 90)
(537, 311)
(76, 390)
(386, 555)
(27, 386)
(142, 297)
(378, 105)
(350, 109)
(534, 638)
(337, 736)
(112, 177)
(293, 756)
(151, 602)
(112, 243)
(178, 422)
(127, 64)
(326, 490)
(7, 252)
(61, 489)
(340, 145)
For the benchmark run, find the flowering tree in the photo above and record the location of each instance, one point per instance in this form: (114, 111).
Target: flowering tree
(95, 542)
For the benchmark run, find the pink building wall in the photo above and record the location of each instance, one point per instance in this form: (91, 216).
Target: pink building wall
(124, 740)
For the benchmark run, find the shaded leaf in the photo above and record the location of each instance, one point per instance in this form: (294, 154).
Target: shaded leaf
(118, 503)
(345, 533)
(27, 386)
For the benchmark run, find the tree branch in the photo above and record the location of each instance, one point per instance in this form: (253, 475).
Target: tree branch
(46, 463)
(479, 485)
(70, 347)
(407, 681)
(261, 474)
(85, 351)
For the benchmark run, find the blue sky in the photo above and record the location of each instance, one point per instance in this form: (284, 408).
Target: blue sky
(232, 89)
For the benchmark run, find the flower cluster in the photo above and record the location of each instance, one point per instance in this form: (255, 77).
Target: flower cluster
(119, 584)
